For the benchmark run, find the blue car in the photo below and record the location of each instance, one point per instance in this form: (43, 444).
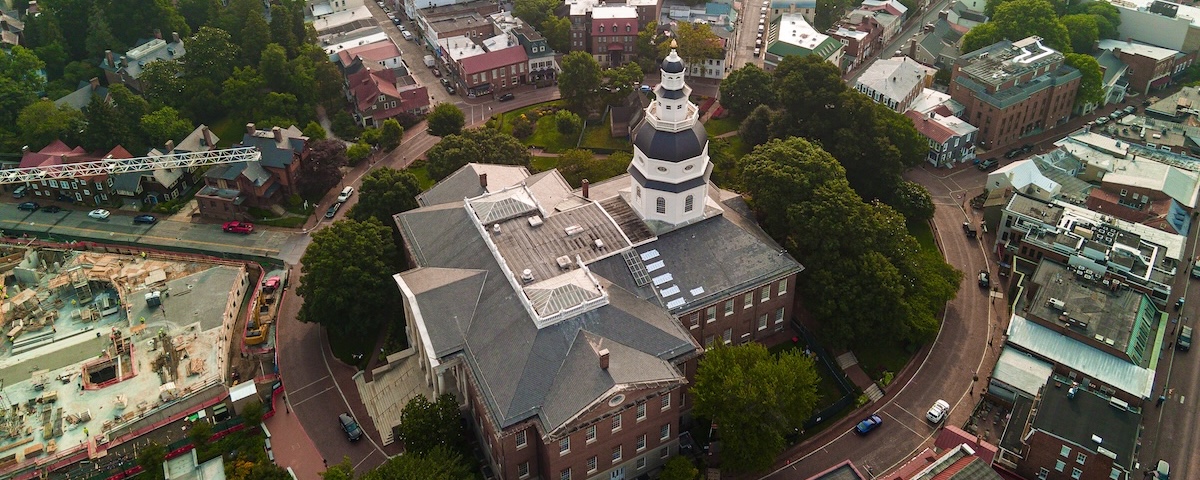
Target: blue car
(868, 424)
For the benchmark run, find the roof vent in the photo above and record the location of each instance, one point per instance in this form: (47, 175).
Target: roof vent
(573, 230)
(535, 221)
(527, 275)
(564, 262)
(1097, 439)
(599, 244)
(496, 229)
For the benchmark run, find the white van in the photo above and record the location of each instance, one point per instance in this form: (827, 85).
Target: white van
(346, 193)
(407, 36)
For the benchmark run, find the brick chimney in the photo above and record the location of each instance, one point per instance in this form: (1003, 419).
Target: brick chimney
(108, 55)
(170, 145)
(95, 83)
(207, 136)
(158, 34)
(250, 128)
(25, 149)
(483, 181)
(278, 132)
(124, 61)
(603, 359)
(174, 37)
(585, 188)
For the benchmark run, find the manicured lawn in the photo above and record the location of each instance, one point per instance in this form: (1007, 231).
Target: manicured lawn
(737, 146)
(720, 126)
(924, 236)
(507, 118)
(422, 174)
(541, 164)
(598, 136)
(546, 137)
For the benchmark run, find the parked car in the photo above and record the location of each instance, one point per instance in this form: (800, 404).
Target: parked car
(52, 209)
(1131, 110)
(868, 424)
(988, 164)
(333, 209)
(353, 432)
(395, 21)
(1116, 115)
(1101, 120)
(506, 97)
(145, 219)
(1184, 342)
(969, 230)
(238, 227)
(1163, 470)
(757, 51)
(985, 279)
(406, 35)
(345, 194)
(1026, 148)
(99, 214)
(938, 411)
(29, 206)
(437, 72)
(1011, 154)
(20, 191)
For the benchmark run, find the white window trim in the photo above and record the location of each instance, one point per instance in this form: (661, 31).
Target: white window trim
(666, 402)
(561, 451)
(522, 440)
(664, 438)
(590, 435)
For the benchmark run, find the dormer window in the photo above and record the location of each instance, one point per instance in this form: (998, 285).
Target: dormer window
(602, 29)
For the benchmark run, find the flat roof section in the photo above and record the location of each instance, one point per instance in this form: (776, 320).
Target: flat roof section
(1086, 306)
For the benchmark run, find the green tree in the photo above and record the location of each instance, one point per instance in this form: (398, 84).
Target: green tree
(385, 192)
(252, 413)
(314, 131)
(756, 398)
(281, 28)
(200, 433)
(151, 458)
(679, 468)
(347, 274)
(165, 124)
(522, 128)
(211, 54)
(579, 80)
(105, 127)
(43, 122)
(198, 13)
(273, 64)
(320, 172)
(647, 46)
(371, 136)
(390, 134)
(255, 35)
(19, 81)
(425, 426)
(344, 127)
(535, 12)
(913, 201)
(343, 470)
(242, 92)
(621, 81)
(696, 43)
(162, 83)
(100, 35)
(445, 119)
(567, 122)
(1091, 90)
(479, 145)
(439, 464)
(148, 15)
(577, 164)
(980, 36)
(755, 130)
(358, 152)
(1083, 30)
(745, 89)
(1018, 19)
(329, 87)
(1108, 16)
(557, 31)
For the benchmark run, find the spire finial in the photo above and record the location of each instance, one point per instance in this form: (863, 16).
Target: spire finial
(674, 44)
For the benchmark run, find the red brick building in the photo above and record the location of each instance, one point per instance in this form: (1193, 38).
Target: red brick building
(232, 188)
(93, 190)
(1150, 67)
(1014, 89)
(499, 70)
(614, 31)
(1078, 436)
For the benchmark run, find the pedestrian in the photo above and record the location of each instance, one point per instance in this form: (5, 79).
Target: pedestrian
(324, 462)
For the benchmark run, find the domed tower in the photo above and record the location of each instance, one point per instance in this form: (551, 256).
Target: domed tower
(670, 168)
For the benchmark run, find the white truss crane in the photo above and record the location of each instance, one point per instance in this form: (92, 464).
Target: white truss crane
(110, 166)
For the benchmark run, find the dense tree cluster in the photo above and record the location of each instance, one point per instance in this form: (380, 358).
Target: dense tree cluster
(587, 87)
(347, 278)
(479, 145)
(439, 464)
(445, 119)
(865, 278)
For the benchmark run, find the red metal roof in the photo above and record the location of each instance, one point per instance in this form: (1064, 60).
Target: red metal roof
(930, 127)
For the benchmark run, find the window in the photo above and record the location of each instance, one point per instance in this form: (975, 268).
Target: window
(1066, 451)
(1080, 458)
(689, 203)
(695, 320)
(565, 474)
(641, 443)
(641, 463)
(616, 423)
(727, 336)
(710, 314)
(662, 453)
(639, 189)
(591, 434)
(87, 192)
(1076, 473)
(708, 341)
(521, 439)
(564, 446)
(779, 316)
(523, 469)
(1042, 473)
(602, 29)
(1059, 466)
(782, 289)
(748, 300)
(765, 294)
(666, 402)
(616, 454)
(627, 30)
(1114, 475)
(660, 205)
(728, 307)
(664, 432)
(591, 464)
(762, 322)
(641, 410)
(53, 184)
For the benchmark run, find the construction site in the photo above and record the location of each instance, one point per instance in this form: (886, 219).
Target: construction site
(96, 342)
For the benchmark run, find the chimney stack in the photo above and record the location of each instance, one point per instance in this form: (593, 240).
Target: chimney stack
(108, 55)
(158, 34)
(278, 132)
(170, 145)
(944, 14)
(250, 128)
(95, 82)
(174, 37)
(604, 359)
(25, 149)
(207, 136)
(483, 181)
(124, 61)
(585, 188)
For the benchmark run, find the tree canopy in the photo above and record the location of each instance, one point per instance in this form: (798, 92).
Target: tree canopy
(1091, 88)
(696, 43)
(745, 89)
(756, 398)
(439, 464)
(445, 119)
(385, 192)
(347, 274)
(577, 164)
(480, 145)
(426, 426)
(321, 171)
(43, 122)
(579, 80)
(1018, 19)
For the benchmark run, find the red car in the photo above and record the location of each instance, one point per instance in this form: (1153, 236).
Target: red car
(238, 227)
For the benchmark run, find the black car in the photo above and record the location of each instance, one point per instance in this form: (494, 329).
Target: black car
(985, 280)
(1026, 148)
(29, 206)
(145, 219)
(505, 97)
(52, 209)
(333, 209)
(353, 432)
(988, 164)
(1012, 153)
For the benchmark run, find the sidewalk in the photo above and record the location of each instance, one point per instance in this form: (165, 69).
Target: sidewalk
(292, 446)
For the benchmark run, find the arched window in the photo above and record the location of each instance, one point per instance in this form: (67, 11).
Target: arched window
(660, 205)
(689, 203)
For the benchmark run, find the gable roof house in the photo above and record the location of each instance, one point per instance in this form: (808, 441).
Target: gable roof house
(160, 185)
(91, 190)
(127, 69)
(378, 95)
(896, 82)
(568, 320)
(82, 96)
(936, 44)
(12, 30)
(232, 188)
(790, 34)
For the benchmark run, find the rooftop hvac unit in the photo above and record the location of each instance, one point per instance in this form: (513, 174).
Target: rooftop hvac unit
(564, 262)
(527, 275)
(535, 221)
(1056, 304)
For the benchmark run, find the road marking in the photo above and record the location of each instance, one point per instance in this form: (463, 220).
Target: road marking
(914, 432)
(364, 458)
(325, 359)
(314, 382)
(905, 410)
(310, 397)
(138, 237)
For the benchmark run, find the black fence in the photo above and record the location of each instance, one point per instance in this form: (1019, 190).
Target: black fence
(849, 390)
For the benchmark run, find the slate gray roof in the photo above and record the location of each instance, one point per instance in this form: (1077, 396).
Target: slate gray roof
(469, 307)
(669, 146)
(464, 183)
(251, 170)
(1078, 419)
(148, 51)
(127, 182)
(195, 142)
(277, 154)
(721, 256)
(80, 98)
